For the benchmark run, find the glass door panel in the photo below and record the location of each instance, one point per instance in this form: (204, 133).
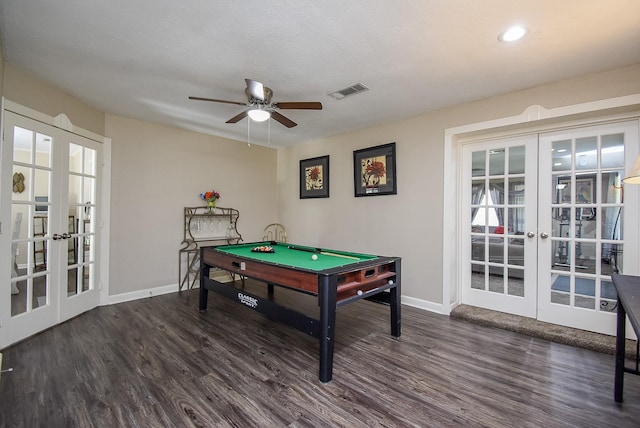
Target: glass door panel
(82, 191)
(31, 153)
(498, 189)
(584, 170)
(28, 159)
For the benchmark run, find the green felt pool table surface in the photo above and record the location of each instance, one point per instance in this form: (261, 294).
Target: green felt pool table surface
(298, 256)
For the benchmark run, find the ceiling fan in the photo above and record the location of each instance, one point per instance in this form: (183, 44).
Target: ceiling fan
(260, 106)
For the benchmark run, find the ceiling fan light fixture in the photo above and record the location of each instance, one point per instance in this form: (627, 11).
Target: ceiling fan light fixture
(258, 115)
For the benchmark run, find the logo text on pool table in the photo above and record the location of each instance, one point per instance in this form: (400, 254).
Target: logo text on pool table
(247, 300)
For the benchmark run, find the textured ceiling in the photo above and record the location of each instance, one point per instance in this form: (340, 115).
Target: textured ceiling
(144, 58)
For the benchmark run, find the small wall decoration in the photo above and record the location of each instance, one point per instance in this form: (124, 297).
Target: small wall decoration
(375, 170)
(18, 182)
(314, 177)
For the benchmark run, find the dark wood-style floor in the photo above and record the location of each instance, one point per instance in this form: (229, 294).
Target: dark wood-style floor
(158, 362)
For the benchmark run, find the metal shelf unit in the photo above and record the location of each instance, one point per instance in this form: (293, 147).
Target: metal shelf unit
(204, 227)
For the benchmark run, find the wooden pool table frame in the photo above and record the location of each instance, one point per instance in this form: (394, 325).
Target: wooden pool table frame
(333, 287)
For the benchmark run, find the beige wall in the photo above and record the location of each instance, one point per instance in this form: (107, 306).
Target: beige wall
(156, 172)
(1, 71)
(409, 224)
(27, 90)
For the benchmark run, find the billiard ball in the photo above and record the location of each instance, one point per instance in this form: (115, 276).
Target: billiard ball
(314, 257)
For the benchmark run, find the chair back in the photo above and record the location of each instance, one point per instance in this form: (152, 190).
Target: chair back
(275, 232)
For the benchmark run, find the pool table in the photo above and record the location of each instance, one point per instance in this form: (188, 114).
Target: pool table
(336, 278)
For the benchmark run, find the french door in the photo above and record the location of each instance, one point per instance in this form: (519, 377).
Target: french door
(50, 183)
(545, 216)
(500, 188)
(583, 223)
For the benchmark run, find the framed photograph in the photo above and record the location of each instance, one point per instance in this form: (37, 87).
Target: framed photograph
(314, 177)
(375, 171)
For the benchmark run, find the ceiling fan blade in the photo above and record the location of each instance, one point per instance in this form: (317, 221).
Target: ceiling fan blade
(237, 117)
(256, 89)
(217, 101)
(283, 120)
(299, 105)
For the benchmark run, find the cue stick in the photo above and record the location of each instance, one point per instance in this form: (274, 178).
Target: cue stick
(326, 253)
(308, 250)
(319, 250)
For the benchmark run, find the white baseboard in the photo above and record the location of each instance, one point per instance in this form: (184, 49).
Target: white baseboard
(172, 288)
(142, 294)
(422, 304)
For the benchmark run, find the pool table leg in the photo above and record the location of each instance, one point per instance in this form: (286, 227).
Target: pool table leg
(394, 304)
(327, 295)
(204, 293)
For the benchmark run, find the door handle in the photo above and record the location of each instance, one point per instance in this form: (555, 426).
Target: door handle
(530, 234)
(56, 236)
(66, 235)
(544, 235)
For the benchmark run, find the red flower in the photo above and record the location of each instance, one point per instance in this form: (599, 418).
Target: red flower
(314, 173)
(210, 196)
(376, 168)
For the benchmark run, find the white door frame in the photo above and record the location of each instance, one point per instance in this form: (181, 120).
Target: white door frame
(102, 281)
(534, 119)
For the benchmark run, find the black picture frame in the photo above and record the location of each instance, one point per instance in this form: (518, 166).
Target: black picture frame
(314, 177)
(374, 171)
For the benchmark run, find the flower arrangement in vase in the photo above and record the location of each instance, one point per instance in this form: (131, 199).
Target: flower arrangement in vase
(211, 197)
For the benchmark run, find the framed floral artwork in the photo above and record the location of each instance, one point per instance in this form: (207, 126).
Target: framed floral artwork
(374, 171)
(314, 177)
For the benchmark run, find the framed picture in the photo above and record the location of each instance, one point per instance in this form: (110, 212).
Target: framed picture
(584, 195)
(585, 190)
(314, 177)
(375, 170)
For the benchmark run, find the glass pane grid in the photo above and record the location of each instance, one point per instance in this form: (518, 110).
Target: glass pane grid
(589, 196)
(497, 213)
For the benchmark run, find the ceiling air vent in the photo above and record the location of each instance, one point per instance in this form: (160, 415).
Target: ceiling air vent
(350, 90)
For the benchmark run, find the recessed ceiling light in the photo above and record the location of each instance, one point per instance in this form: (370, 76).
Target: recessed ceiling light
(513, 34)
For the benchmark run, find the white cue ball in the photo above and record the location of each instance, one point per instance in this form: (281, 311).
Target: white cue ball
(314, 257)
